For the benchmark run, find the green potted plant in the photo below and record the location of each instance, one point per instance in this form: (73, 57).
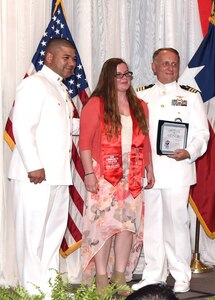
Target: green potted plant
(62, 290)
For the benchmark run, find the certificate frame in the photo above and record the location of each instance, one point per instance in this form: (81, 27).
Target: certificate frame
(171, 136)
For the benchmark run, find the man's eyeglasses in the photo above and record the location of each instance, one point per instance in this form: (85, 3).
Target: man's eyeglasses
(121, 75)
(167, 64)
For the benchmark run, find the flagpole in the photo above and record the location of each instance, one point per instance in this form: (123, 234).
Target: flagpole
(197, 265)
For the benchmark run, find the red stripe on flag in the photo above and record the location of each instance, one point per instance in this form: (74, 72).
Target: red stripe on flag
(76, 198)
(203, 193)
(9, 129)
(77, 161)
(204, 11)
(75, 112)
(76, 234)
(83, 96)
(64, 245)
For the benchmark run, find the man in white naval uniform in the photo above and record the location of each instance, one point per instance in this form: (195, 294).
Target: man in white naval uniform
(166, 224)
(39, 171)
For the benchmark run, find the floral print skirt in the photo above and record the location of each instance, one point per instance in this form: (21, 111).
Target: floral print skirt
(107, 213)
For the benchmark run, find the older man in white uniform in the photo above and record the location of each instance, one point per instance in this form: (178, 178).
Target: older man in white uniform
(39, 171)
(166, 224)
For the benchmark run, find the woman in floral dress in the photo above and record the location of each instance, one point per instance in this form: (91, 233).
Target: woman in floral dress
(115, 152)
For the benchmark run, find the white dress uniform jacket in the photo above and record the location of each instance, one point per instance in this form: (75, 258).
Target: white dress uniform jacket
(172, 103)
(42, 127)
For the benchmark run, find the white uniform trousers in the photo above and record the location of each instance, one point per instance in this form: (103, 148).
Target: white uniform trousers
(41, 213)
(166, 235)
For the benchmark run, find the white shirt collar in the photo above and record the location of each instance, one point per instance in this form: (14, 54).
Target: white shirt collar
(167, 87)
(51, 74)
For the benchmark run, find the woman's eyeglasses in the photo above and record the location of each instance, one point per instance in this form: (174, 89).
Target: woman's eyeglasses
(121, 75)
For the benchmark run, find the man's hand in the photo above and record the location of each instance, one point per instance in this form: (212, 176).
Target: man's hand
(37, 176)
(179, 154)
(150, 178)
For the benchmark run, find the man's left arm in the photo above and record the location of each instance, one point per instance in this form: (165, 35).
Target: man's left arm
(198, 135)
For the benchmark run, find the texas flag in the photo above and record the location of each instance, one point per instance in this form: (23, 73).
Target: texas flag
(200, 74)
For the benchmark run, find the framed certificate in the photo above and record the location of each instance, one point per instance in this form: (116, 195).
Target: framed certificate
(171, 136)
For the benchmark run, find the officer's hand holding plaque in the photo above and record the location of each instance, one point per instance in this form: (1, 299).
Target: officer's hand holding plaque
(171, 136)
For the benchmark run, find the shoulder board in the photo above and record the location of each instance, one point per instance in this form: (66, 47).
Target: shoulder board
(142, 88)
(189, 88)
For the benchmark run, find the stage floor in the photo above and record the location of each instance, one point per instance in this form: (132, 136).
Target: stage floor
(202, 286)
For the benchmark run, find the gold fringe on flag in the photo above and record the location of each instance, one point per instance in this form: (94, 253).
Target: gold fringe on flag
(71, 249)
(9, 140)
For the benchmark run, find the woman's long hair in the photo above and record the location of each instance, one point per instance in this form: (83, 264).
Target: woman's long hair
(106, 88)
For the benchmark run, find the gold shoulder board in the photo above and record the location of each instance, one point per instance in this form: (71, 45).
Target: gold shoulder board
(142, 88)
(189, 88)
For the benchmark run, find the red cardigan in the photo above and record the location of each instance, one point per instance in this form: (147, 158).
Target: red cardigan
(90, 131)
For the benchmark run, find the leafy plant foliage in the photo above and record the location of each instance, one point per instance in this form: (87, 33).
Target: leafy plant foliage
(62, 290)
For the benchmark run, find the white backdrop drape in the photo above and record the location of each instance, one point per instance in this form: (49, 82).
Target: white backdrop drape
(131, 29)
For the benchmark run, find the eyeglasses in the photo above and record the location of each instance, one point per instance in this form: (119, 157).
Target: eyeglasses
(167, 64)
(121, 75)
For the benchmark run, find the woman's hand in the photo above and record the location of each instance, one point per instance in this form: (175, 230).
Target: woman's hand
(91, 183)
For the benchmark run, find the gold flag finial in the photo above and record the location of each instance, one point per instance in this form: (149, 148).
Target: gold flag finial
(212, 17)
(56, 6)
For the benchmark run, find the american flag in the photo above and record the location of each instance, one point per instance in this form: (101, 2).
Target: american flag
(79, 91)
